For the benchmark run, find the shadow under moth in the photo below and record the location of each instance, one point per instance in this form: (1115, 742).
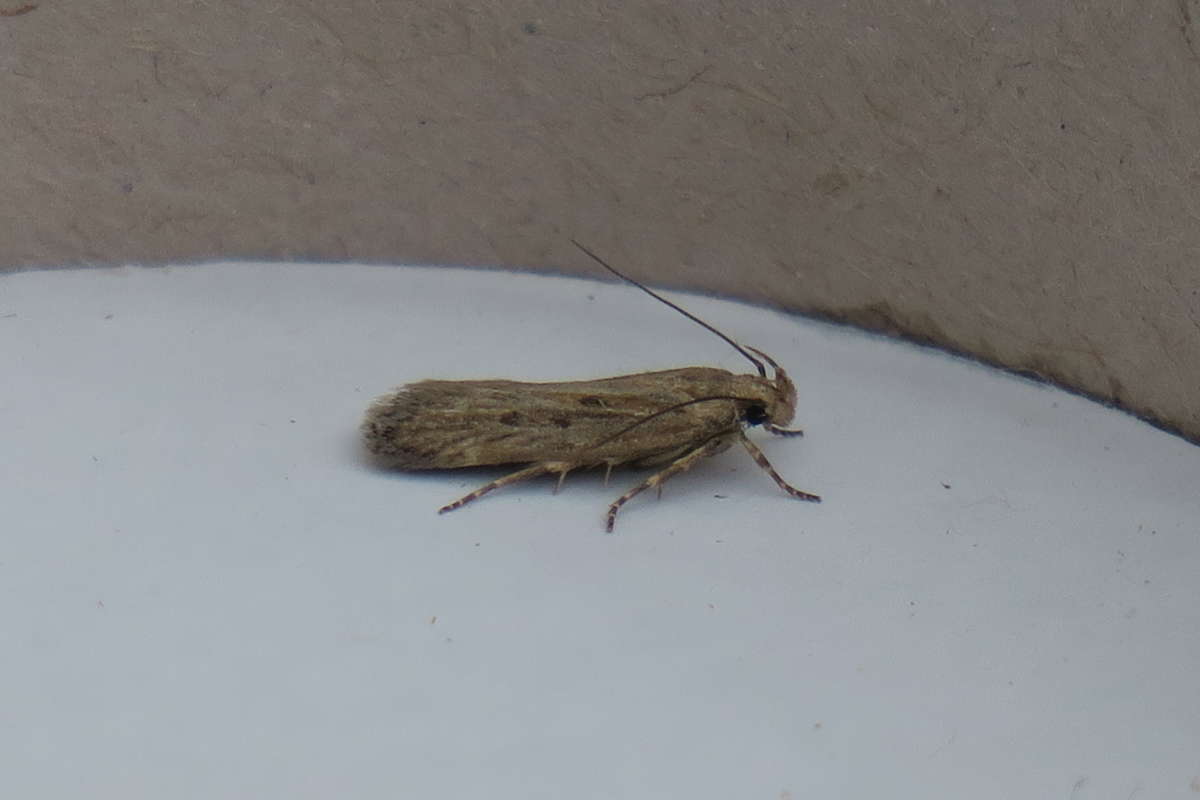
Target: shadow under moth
(670, 419)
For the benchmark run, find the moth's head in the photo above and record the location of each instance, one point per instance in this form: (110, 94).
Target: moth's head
(776, 397)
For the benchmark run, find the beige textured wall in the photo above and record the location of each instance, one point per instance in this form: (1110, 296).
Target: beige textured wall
(1016, 180)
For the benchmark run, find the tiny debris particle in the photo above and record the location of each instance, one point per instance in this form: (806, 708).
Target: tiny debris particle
(945, 485)
(433, 620)
(18, 11)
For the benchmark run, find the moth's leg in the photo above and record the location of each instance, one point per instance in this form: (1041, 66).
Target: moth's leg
(562, 476)
(761, 460)
(685, 461)
(560, 467)
(778, 431)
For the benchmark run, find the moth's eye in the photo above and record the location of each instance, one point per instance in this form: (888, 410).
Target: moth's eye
(755, 415)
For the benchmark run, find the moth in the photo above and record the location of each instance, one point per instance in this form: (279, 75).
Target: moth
(671, 419)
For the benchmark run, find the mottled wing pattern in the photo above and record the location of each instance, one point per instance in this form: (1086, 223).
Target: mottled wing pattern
(449, 424)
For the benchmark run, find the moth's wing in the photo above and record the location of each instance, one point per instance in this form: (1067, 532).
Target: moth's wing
(448, 424)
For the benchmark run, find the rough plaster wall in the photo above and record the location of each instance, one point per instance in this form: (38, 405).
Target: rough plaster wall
(1018, 180)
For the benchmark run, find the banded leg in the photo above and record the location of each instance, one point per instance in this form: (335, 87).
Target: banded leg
(561, 467)
(685, 461)
(761, 460)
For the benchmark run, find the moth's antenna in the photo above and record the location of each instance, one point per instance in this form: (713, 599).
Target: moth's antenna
(757, 364)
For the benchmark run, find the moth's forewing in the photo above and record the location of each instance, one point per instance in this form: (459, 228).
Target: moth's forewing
(450, 424)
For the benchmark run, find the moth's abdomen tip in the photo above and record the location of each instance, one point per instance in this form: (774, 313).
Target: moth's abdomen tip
(386, 433)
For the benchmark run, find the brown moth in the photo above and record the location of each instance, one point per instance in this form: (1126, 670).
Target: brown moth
(671, 419)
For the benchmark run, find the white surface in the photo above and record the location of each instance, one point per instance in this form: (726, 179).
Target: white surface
(206, 592)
